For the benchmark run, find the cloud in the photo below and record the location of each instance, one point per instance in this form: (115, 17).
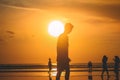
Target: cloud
(18, 4)
(98, 21)
(99, 1)
(10, 32)
(37, 4)
(14, 2)
(102, 8)
(106, 10)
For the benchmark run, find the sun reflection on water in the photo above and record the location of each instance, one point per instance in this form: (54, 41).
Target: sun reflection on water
(54, 72)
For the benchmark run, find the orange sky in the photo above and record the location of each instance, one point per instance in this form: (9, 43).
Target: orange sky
(24, 37)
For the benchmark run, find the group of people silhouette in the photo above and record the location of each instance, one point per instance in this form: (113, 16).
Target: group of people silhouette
(63, 59)
(105, 67)
(90, 65)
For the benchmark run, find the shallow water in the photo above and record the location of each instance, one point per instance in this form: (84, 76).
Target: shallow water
(40, 72)
(45, 76)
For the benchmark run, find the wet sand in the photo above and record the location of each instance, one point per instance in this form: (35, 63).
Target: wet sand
(53, 78)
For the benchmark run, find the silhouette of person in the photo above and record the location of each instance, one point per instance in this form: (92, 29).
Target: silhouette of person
(105, 66)
(50, 77)
(50, 65)
(90, 70)
(116, 66)
(50, 68)
(90, 67)
(62, 53)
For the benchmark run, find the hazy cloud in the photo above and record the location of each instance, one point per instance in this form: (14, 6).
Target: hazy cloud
(21, 29)
(98, 21)
(10, 32)
(98, 8)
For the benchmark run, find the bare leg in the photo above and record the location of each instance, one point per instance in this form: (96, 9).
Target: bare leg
(50, 78)
(67, 74)
(102, 73)
(107, 73)
(58, 75)
(117, 75)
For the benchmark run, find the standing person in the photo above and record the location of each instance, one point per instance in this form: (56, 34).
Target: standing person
(50, 65)
(116, 66)
(90, 67)
(50, 68)
(90, 70)
(105, 66)
(62, 53)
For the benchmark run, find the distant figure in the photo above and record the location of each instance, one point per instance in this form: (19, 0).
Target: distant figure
(105, 66)
(90, 70)
(50, 65)
(90, 67)
(116, 66)
(50, 68)
(62, 53)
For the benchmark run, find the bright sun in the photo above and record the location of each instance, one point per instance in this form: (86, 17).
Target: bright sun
(55, 28)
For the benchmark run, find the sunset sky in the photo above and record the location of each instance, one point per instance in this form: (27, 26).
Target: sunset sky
(24, 36)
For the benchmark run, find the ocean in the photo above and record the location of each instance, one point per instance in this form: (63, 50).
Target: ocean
(79, 71)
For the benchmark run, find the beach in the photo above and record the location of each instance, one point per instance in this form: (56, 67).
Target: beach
(53, 78)
(40, 72)
(45, 76)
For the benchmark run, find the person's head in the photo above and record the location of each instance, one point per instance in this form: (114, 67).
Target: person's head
(49, 59)
(105, 56)
(68, 28)
(116, 57)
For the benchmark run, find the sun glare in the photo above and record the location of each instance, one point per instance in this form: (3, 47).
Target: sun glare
(55, 28)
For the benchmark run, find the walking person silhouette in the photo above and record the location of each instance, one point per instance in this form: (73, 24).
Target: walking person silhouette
(105, 66)
(50, 68)
(62, 53)
(90, 67)
(90, 70)
(50, 65)
(116, 66)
